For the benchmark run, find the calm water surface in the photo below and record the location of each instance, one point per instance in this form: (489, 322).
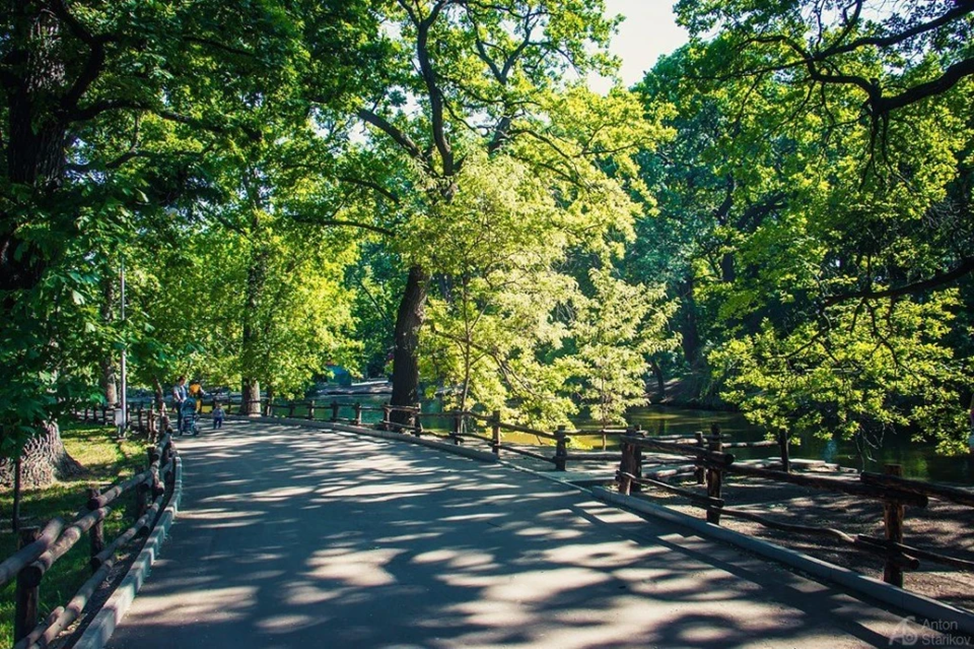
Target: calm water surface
(918, 460)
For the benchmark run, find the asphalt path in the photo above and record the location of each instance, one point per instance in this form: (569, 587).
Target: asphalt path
(298, 537)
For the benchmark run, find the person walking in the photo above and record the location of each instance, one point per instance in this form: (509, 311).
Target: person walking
(179, 395)
(218, 416)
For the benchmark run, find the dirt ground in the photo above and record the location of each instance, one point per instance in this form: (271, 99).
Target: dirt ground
(940, 527)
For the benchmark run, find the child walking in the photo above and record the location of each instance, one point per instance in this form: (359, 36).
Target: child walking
(218, 415)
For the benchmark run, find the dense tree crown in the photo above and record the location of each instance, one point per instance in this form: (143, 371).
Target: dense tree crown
(778, 215)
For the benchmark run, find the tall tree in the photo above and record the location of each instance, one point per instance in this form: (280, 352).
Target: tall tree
(88, 91)
(463, 76)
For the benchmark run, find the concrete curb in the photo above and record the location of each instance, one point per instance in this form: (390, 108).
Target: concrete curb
(101, 628)
(919, 605)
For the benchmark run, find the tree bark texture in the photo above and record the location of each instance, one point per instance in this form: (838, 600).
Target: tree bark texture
(44, 460)
(256, 280)
(36, 136)
(107, 375)
(660, 379)
(250, 393)
(690, 336)
(409, 321)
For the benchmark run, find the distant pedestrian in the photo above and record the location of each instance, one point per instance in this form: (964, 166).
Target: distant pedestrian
(197, 392)
(218, 416)
(179, 395)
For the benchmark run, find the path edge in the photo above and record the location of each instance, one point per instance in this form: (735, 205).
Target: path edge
(472, 453)
(98, 633)
(913, 603)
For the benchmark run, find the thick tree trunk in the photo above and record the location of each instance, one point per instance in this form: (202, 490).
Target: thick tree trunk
(106, 380)
(409, 321)
(36, 136)
(660, 380)
(44, 460)
(250, 394)
(160, 394)
(688, 325)
(107, 376)
(256, 279)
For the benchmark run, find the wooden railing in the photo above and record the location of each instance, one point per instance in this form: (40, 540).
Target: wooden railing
(702, 455)
(41, 548)
(892, 491)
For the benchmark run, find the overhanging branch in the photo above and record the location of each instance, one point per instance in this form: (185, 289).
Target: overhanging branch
(940, 279)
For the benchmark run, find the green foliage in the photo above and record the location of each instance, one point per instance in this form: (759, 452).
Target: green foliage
(107, 461)
(856, 372)
(808, 230)
(509, 329)
(615, 332)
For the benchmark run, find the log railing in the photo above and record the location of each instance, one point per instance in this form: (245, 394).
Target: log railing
(702, 455)
(893, 492)
(40, 549)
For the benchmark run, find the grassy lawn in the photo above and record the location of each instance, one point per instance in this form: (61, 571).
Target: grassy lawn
(107, 461)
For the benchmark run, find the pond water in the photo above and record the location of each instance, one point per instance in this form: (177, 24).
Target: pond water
(918, 460)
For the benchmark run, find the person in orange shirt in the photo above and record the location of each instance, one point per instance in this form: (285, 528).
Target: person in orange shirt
(197, 392)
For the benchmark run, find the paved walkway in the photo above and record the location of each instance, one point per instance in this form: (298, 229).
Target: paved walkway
(294, 537)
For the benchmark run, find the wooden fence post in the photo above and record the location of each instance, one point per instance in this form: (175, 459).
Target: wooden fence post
(457, 425)
(25, 614)
(290, 410)
(358, 414)
(139, 417)
(156, 458)
(311, 410)
(97, 531)
(698, 474)
(495, 433)
(334, 410)
(715, 477)
(893, 514)
(417, 422)
(561, 449)
(629, 464)
(141, 500)
(104, 418)
(86, 415)
(783, 447)
(385, 417)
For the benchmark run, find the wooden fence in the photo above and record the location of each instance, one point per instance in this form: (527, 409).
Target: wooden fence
(891, 491)
(704, 456)
(41, 548)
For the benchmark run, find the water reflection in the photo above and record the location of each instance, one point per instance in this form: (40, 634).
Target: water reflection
(919, 460)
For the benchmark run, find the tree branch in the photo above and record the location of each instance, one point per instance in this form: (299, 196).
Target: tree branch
(940, 279)
(398, 136)
(376, 187)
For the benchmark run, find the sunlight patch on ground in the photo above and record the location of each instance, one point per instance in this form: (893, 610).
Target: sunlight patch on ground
(548, 532)
(390, 490)
(282, 493)
(455, 559)
(289, 623)
(364, 568)
(203, 606)
(601, 555)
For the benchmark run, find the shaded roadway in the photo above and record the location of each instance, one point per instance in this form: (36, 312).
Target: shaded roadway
(297, 537)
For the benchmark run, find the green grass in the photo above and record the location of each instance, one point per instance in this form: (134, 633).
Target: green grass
(106, 461)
